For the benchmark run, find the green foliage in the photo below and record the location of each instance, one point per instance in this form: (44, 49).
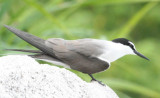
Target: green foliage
(137, 20)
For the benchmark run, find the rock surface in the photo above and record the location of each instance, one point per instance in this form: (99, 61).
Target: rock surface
(23, 77)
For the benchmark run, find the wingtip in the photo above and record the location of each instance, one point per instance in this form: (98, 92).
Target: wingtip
(12, 29)
(6, 26)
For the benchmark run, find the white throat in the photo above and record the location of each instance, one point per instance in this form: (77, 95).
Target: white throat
(114, 51)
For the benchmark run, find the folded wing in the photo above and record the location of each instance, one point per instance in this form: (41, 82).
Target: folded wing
(78, 54)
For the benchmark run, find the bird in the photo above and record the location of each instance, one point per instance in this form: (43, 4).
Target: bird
(86, 55)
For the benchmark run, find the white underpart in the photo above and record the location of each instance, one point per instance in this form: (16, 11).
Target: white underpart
(56, 63)
(114, 51)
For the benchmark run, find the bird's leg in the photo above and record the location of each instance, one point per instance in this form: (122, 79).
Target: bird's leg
(93, 79)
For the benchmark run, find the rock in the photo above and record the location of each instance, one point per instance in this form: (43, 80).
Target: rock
(23, 77)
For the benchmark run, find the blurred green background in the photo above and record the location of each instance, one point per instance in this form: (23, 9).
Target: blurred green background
(136, 20)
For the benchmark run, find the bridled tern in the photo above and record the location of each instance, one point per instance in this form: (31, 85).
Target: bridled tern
(85, 55)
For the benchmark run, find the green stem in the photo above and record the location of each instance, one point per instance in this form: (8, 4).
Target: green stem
(49, 16)
(130, 25)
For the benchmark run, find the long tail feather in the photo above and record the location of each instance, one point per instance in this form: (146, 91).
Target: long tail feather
(22, 50)
(40, 56)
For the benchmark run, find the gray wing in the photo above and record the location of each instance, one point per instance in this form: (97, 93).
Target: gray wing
(33, 40)
(78, 54)
(87, 47)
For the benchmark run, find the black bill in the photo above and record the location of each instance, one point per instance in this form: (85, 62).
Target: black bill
(139, 54)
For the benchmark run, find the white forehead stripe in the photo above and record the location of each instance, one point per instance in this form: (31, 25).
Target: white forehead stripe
(132, 44)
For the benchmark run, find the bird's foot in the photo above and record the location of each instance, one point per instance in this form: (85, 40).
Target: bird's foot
(100, 82)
